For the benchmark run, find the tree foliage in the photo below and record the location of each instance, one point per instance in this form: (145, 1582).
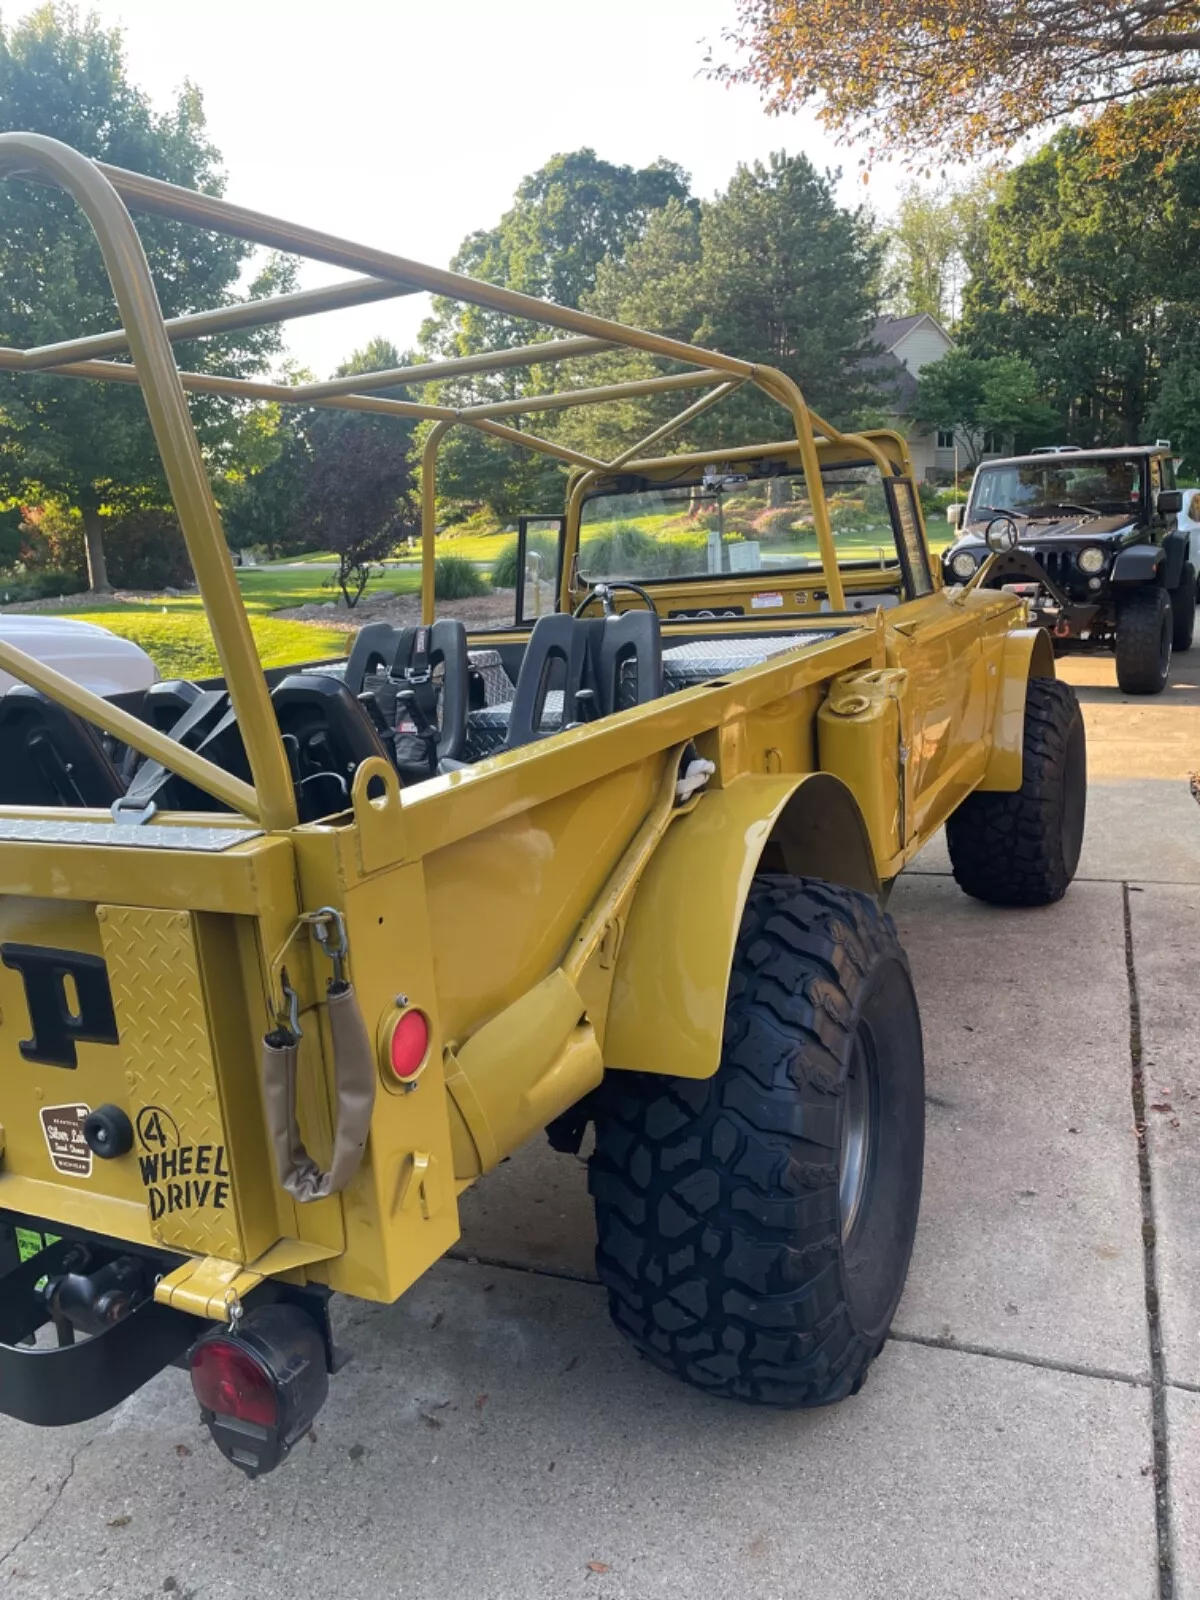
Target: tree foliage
(935, 243)
(977, 396)
(89, 445)
(341, 481)
(774, 271)
(1093, 276)
(566, 218)
(962, 76)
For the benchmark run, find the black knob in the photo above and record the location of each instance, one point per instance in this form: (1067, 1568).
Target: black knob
(108, 1132)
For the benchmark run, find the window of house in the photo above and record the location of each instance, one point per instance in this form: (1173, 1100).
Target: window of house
(945, 438)
(992, 443)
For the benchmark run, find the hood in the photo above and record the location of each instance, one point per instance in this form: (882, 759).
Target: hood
(1074, 525)
(85, 652)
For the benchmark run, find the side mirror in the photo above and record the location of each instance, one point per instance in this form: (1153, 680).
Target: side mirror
(955, 514)
(1001, 535)
(1170, 502)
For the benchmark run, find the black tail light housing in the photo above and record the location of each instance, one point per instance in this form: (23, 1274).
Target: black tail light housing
(260, 1383)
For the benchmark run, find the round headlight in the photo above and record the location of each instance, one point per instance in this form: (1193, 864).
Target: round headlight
(963, 565)
(1093, 559)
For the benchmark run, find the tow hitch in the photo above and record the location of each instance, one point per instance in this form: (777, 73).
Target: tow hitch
(89, 1289)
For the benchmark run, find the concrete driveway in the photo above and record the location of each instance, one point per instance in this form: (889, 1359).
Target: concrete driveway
(1032, 1428)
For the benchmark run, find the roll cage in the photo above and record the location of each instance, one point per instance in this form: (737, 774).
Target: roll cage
(108, 195)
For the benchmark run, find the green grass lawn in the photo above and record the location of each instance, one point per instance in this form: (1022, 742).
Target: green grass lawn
(175, 633)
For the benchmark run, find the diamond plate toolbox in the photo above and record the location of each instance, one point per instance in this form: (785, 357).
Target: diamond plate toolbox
(181, 1141)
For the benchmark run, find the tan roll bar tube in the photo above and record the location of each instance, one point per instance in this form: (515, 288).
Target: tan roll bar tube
(166, 404)
(103, 193)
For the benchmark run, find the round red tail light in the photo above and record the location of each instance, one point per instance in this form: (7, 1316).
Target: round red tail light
(230, 1382)
(409, 1044)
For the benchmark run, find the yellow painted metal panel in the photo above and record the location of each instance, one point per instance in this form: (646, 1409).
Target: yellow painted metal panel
(183, 1143)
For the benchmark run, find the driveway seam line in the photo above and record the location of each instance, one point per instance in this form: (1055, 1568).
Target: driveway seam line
(1158, 1398)
(1077, 1369)
(1159, 883)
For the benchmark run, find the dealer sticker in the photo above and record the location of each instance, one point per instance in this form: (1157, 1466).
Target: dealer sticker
(69, 1150)
(765, 602)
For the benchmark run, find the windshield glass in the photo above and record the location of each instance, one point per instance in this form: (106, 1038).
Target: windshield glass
(1058, 483)
(727, 522)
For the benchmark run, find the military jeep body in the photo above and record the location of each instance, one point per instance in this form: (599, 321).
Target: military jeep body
(290, 960)
(1093, 544)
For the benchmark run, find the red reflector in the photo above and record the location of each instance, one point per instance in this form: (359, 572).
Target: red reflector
(409, 1043)
(228, 1380)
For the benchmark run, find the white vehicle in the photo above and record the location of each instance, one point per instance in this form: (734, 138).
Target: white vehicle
(82, 651)
(1188, 522)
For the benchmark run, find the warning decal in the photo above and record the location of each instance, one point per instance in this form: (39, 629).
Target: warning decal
(63, 1127)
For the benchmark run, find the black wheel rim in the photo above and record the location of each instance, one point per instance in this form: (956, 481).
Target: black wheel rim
(859, 1103)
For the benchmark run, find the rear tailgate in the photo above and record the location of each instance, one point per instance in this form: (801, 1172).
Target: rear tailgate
(143, 1018)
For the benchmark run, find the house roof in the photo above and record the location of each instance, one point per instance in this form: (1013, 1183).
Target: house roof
(887, 370)
(889, 331)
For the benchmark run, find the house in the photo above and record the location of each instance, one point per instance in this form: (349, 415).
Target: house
(910, 343)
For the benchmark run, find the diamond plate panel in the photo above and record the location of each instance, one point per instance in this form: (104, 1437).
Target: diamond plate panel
(45, 830)
(181, 1144)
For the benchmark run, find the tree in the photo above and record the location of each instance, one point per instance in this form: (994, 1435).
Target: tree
(962, 76)
(1176, 414)
(774, 271)
(341, 481)
(572, 214)
(1093, 276)
(566, 218)
(977, 397)
(935, 243)
(89, 445)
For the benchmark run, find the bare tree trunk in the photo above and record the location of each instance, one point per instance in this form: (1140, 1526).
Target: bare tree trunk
(778, 492)
(93, 534)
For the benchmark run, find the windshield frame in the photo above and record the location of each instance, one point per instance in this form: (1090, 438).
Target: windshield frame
(1059, 463)
(916, 574)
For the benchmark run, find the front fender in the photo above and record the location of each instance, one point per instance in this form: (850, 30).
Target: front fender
(1027, 653)
(667, 1011)
(1139, 564)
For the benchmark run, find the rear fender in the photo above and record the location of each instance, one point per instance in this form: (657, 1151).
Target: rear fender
(1027, 653)
(667, 1011)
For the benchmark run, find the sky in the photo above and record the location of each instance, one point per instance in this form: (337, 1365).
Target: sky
(408, 126)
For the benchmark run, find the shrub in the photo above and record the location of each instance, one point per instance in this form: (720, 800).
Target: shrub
(456, 578)
(145, 550)
(622, 549)
(776, 523)
(480, 523)
(504, 568)
(47, 584)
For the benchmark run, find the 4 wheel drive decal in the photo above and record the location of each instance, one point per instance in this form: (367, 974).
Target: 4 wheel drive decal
(179, 1177)
(56, 1025)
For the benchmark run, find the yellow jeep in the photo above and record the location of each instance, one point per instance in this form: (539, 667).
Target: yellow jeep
(288, 961)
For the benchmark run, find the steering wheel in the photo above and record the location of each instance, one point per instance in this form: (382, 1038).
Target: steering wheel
(604, 593)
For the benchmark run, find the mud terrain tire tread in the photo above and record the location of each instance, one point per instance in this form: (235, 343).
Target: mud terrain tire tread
(717, 1199)
(1011, 849)
(1139, 649)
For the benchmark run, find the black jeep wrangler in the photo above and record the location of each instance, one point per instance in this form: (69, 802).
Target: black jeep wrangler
(1090, 538)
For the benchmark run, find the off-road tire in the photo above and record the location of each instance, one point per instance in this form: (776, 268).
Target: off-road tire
(717, 1200)
(1145, 625)
(1183, 609)
(1022, 848)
